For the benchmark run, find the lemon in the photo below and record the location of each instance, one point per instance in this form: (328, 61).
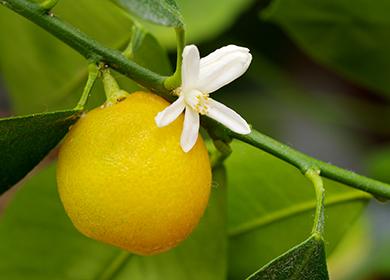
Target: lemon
(124, 181)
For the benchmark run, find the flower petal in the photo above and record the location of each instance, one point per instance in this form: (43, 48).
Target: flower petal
(190, 67)
(222, 67)
(220, 53)
(190, 131)
(227, 117)
(170, 113)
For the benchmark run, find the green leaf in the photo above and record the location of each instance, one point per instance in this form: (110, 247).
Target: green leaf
(306, 261)
(271, 207)
(162, 12)
(52, 74)
(26, 140)
(350, 257)
(349, 37)
(204, 20)
(378, 164)
(40, 72)
(145, 50)
(38, 242)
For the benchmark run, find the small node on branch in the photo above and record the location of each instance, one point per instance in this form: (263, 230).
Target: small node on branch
(47, 5)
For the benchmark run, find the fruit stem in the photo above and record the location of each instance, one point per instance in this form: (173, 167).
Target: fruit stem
(91, 49)
(113, 92)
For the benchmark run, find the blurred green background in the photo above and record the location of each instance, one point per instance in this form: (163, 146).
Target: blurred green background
(319, 81)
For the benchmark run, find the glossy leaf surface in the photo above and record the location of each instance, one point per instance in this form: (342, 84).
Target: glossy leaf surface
(347, 36)
(26, 140)
(306, 261)
(162, 12)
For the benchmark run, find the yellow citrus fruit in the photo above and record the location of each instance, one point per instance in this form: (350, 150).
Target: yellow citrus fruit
(124, 181)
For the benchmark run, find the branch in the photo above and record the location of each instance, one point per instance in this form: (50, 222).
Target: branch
(86, 46)
(96, 52)
(305, 163)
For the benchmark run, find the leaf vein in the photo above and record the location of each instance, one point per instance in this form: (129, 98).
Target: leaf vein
(293, 211)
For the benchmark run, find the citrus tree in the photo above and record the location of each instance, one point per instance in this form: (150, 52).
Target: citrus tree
(156, 178)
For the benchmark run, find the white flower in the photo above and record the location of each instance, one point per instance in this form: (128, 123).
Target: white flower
(199, 78)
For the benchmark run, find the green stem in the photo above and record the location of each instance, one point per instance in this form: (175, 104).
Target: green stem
(319, 218)
(293, 211)
(113, 92)
(93, 73)
(137, 36)
(174, 81)
(115, 266)
(304, 163)
(96, 52)
(87, 46)
(222, 152)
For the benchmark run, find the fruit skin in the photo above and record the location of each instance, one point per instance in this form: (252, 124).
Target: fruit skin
(124, 181)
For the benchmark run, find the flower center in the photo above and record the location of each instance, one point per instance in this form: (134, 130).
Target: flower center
(197, 100)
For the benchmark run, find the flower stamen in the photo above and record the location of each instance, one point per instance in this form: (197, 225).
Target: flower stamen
(197, 100)
(200, 77)
(202, 106)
